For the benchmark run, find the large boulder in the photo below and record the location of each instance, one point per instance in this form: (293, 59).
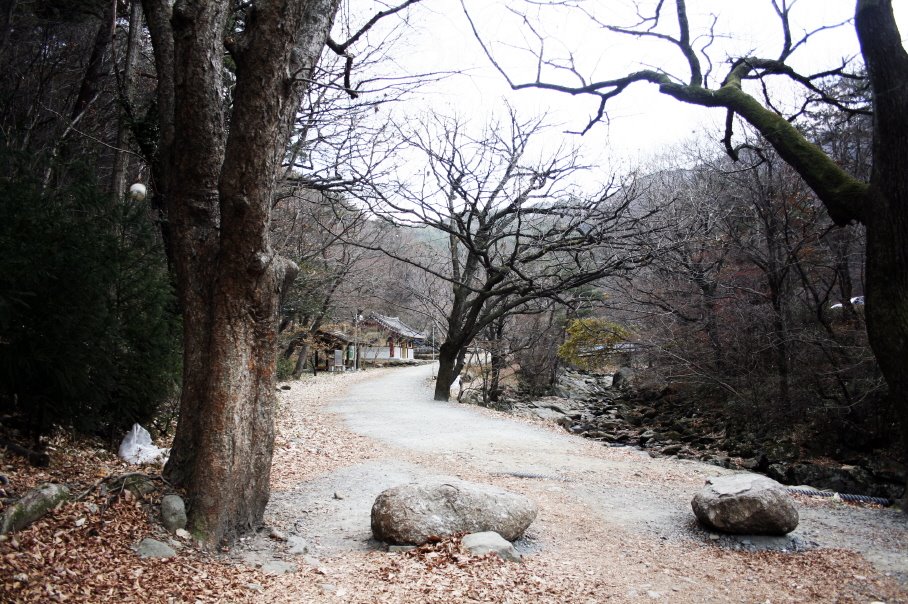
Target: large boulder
(409, 514)
(745, 504)
(32, 506)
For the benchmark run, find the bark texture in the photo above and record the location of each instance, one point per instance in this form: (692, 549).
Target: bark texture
(886, 292)
(217, 184)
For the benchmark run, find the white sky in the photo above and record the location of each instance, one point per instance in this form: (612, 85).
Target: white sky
(643, 122)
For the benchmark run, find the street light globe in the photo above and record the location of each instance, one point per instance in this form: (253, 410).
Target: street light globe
(137, 192)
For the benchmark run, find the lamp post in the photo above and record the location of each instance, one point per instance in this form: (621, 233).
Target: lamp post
(356, 319)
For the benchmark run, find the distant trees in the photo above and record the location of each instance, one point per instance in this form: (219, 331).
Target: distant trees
(589, 340)
(323, 235)
(878, 200)
(58, 66)
(341, 142)
(513, 227)
(742, 301)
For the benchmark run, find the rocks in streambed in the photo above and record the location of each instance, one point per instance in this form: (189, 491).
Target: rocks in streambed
(837, 477)
(624, 377)
(551, 408)
(581, 385)
(410, 514)
(663, 420)
(745, 504)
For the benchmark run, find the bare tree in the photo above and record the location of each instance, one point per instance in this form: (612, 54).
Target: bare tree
(879, 203)
(324, 236)
(513, 228)
(56, 66)
(690, 251)
(738, 302)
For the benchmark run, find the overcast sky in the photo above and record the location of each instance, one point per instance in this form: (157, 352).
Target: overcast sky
(642, 123)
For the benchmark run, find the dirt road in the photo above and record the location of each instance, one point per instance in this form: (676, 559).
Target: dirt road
(614, 524)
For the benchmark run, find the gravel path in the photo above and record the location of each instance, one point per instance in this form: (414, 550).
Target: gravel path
(614, 524)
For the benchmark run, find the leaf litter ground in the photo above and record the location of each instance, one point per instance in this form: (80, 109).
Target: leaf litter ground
(83, 551)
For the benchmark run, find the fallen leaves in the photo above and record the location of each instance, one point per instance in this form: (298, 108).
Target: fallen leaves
(82, 552)
(310, 441)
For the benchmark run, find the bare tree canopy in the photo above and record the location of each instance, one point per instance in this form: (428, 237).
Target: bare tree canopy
(880, 203)
(509, 225)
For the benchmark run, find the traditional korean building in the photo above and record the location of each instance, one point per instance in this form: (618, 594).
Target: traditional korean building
(388, 338)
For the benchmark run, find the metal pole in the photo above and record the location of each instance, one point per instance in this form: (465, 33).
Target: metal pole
(356, 341)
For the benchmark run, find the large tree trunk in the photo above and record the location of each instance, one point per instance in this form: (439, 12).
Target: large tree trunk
(887, 216)
(451, 356)
(301, 360)
(447, 360)
(218, 191)
(886, 309)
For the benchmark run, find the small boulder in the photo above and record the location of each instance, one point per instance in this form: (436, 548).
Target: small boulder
(139, 485)
(297, 545)
(409, 514)
(480, 544)
(173, 512)
(647, 436)
(152, 548)
(623, 377)
(745, 504)
(278, 567)
(32, 506)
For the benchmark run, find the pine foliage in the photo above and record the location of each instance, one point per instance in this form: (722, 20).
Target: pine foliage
(88, 324)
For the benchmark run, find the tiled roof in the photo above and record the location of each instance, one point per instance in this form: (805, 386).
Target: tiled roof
(397, 326)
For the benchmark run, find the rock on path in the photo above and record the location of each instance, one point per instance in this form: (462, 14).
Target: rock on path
(622, 495)
(412, 513)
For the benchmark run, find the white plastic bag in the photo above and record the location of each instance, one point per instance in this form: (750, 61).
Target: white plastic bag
(137, 447)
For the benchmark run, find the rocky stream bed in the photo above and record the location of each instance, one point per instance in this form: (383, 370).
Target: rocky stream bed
(615, 411)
